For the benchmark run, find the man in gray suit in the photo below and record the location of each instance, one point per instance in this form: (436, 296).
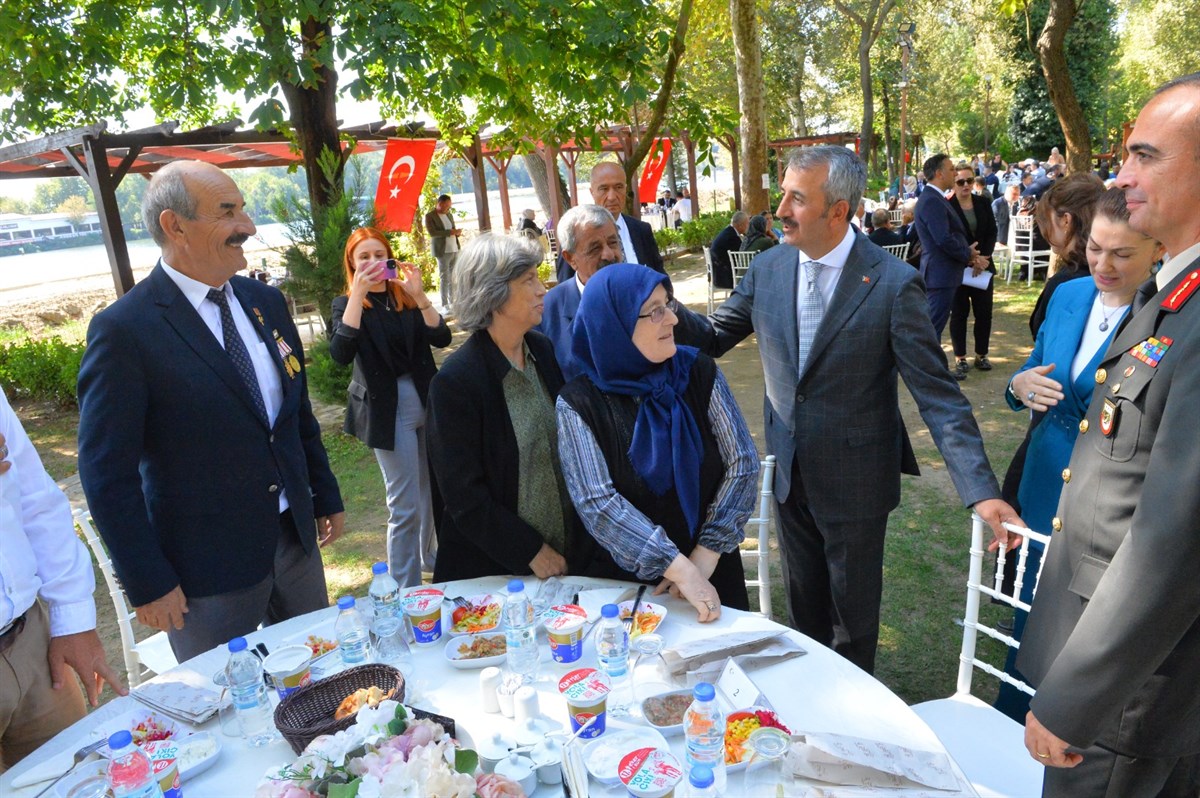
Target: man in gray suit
(1113, 640)
(443, 242)
(837, 318)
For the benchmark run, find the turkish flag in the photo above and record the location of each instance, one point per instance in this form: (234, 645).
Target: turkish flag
(405, 165)
(652, 171)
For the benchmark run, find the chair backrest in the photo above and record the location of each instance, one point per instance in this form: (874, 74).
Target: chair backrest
(899, 250)
(760, 524)
(740, 261)
(896, 216)
(552, 237)
(135, 669)
(1023, 234)
(977, 588)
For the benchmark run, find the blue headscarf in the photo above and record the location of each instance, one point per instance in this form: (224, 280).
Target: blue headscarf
(667, 448)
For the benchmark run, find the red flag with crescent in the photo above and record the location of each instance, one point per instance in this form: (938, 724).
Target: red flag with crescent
(405, 165)
(652, 171)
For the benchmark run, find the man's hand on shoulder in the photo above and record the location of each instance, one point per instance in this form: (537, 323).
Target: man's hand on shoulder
(997, 513)
(330, 528)
(83, 653)
(166, 612)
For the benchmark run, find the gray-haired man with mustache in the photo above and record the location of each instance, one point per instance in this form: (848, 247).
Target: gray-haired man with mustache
(198, 450)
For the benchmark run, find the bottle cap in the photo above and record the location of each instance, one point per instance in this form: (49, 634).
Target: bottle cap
(516, 586)
(345, 602)
(118, 740)
(237, 644)
(701, 776)
(379, 568)
(703, 691)
(610, 610)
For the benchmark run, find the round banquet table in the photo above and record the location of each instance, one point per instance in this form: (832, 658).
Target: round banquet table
(817, 692)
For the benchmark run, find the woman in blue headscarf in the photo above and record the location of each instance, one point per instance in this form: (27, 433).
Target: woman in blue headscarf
(657, 457)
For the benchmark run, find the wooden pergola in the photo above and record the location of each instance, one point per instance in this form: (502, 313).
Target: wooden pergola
(780, 146)
(103, 159)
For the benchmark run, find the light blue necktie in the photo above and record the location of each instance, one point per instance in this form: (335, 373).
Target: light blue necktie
(811, 311)
(236, 349)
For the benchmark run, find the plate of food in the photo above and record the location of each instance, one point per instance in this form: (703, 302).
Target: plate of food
(476, 651)
(319, 645)
(197, 752)
(481, 615)
(149, 727)
(739, 726)
(649, 617)
(603, 755)
(664, 711)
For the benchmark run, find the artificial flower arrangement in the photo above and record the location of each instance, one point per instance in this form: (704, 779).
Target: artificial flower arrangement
(385, 754)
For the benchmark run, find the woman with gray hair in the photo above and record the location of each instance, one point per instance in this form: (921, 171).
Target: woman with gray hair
(494, 446)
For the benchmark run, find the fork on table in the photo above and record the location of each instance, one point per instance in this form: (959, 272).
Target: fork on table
(80, 755)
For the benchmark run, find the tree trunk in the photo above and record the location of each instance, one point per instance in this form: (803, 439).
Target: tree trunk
(537, 173)
(799, 112)
(868, 95)
(887, 131)
(751, 104)
(1051, 51)
(313, 114)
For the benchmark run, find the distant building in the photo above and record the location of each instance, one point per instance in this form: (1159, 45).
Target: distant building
(19, 228)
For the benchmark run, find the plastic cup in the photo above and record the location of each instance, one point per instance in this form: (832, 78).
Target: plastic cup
(650, 773)
(289, 668)
(586, 693)
(423, 608)
(564, 626)
(164, 759)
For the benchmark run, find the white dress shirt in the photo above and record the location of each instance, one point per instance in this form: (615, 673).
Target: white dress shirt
(834, 261)
(40, 554)
(1174, 265)
(270, 383)
(627, 249)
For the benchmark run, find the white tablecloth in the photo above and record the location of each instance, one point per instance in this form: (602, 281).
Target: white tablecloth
(817, 692)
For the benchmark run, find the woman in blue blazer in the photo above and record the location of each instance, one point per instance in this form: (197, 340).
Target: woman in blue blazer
(1058, 379)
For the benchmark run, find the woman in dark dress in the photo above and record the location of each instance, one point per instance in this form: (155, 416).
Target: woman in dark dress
(385, 326)
(658, 459)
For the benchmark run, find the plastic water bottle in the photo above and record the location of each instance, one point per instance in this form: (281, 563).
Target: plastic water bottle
(244, 673)
(520, 634)
(385, 593)
(701, 783)
(704, 732)
(612, 652)
(354, 639)
(130, 774)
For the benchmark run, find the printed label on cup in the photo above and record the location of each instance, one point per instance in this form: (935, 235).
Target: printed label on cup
(564, 628)
(424, 610)
(586, 693)
(650, 773)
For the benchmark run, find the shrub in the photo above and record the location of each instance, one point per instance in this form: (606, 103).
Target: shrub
(666, 238)
(44, 369)
(703, 229)
(327, 379)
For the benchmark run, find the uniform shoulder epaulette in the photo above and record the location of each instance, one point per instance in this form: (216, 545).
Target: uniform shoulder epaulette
(1176, 299)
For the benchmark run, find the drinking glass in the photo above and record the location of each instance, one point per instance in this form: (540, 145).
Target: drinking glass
(649, 676)
(390, 646)
(765, 749)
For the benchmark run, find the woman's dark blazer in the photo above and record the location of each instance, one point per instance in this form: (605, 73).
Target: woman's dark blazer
(474, 454)
(371, 410)
(985, 226)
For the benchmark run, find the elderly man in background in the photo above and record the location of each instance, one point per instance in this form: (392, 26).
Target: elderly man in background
(1113, 641)
(41, 641)
(882, 234)
(199, 453)
(1004, 208)
(726, 241)
(589, 240)
(609, 189)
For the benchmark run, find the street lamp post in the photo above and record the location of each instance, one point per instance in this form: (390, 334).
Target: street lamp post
(987, 102)
(907, 30)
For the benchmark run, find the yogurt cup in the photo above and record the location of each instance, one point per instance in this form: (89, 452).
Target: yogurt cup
(290, 669)
(164, 759)
(650, 773)
(586, 692)
(423, 608)
(564, 626)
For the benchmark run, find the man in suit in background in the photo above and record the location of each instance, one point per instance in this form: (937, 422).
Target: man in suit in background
(443, 242)
(944, 248)
(882, 234)
(836, 319)
(608, 188)
(589, 240)
(199, 454)
(727, 241)
(1113, 641)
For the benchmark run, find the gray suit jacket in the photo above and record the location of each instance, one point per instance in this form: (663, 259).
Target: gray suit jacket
(1113, 641)
(438, 235)
(841, 418)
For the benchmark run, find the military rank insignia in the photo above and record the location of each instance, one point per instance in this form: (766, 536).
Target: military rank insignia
(1108, 418)
(1151, 350)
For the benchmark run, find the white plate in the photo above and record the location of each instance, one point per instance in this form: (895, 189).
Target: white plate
(91, 769)
(204, 762)
(603, 755)
(463, 663)
(734, 768)
(477, 600)
(673, 729)
(644, 607)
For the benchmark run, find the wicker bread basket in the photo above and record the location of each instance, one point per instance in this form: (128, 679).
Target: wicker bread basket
(308, 712)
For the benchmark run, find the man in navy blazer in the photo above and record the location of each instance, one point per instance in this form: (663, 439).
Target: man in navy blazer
(944, 248)
(199, 453)
(608, 188)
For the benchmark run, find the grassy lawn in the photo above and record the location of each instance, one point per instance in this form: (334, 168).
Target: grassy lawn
(926, 554)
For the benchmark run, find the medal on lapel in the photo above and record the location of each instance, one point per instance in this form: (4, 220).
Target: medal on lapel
(1152, 350)
(290, 364)
(1108, 418)
(258, 315)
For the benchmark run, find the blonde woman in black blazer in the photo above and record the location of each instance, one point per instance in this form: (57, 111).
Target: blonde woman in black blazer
(385, 327)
